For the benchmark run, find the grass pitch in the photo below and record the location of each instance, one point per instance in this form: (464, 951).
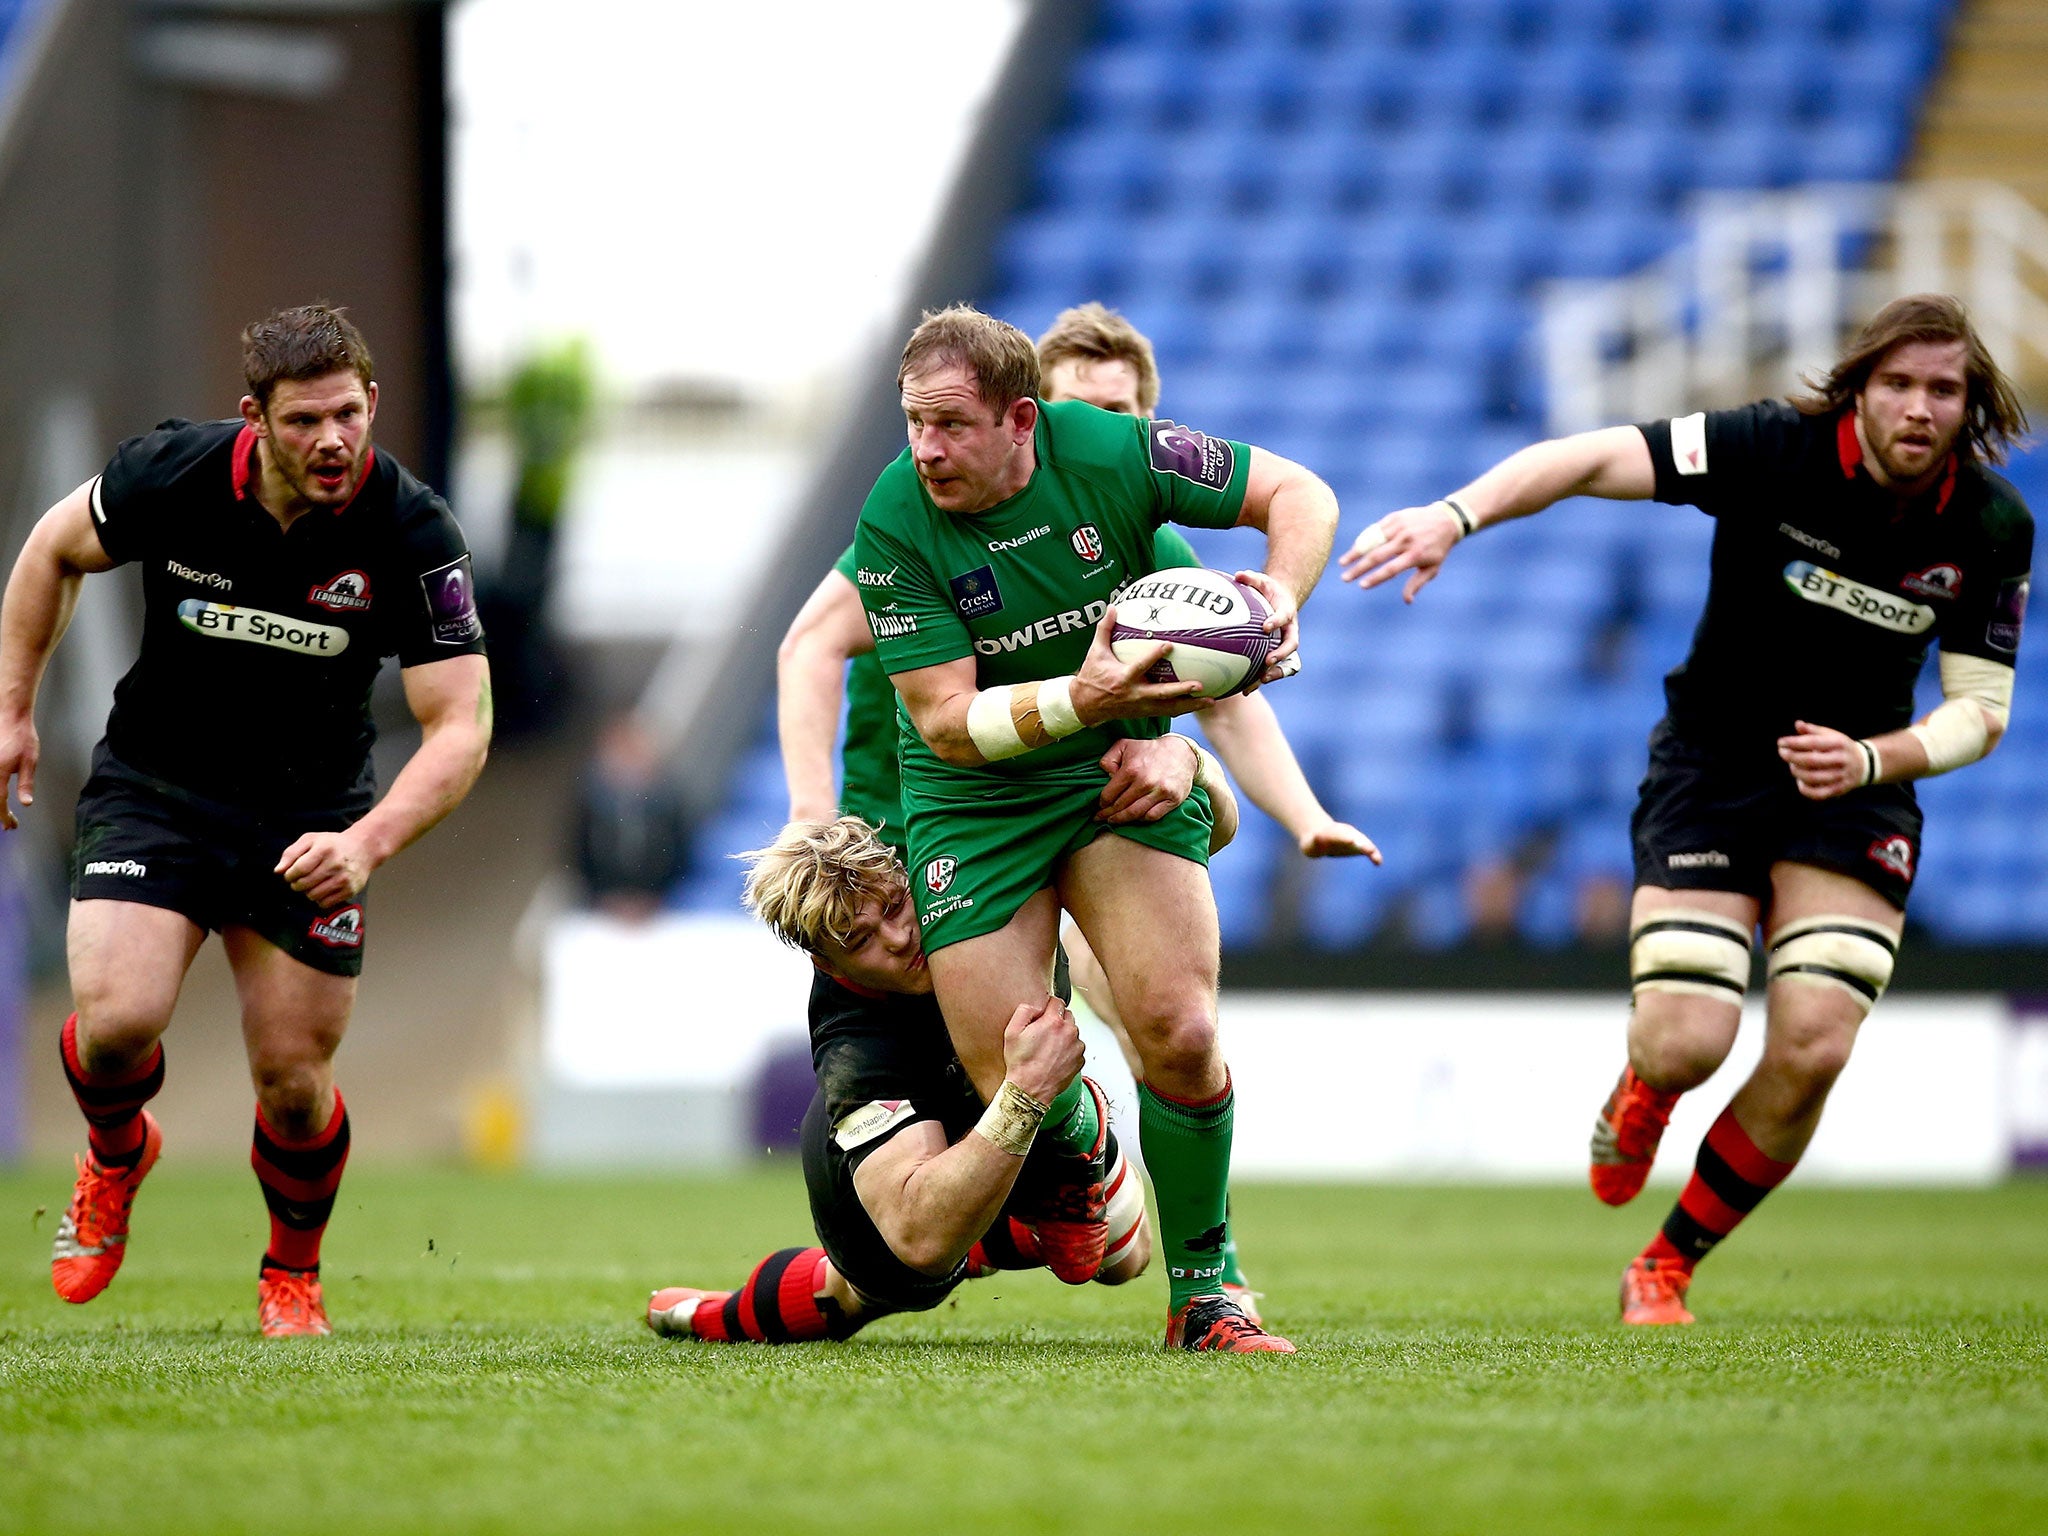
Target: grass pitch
(1866, 1362)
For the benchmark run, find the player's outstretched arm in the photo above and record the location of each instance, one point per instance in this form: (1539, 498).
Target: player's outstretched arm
(1612, 462)
(1298, 514)
(931, 1201)
(451, 699)
(1248, 738)
(810, 686)
(61, 551)
(969, 726)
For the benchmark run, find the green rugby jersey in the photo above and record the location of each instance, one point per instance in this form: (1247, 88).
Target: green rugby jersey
(1022, 586)
(870, 784)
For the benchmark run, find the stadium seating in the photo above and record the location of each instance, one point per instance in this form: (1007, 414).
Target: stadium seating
(1331, 217)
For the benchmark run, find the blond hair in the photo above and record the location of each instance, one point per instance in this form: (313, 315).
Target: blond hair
(810, 884)
(1001, 357)
(1095, 333)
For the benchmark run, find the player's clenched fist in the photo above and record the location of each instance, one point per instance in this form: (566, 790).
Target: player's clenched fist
(19, 751)
(327, 868)
(1413, 539)
(1042, 1049)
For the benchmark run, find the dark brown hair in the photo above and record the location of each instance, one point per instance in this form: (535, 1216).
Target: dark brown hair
(1097, 334)
(1993, 419)
(308, 342)
(1001, 357)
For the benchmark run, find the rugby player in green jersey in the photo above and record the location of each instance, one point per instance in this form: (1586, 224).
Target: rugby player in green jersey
(988, 558)
(1094, 354)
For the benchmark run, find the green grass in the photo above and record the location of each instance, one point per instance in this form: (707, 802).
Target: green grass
(1867, 1361)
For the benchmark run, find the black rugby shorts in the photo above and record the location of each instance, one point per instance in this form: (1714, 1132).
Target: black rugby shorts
(1703, 824)
(848, 1234)
(142, 841)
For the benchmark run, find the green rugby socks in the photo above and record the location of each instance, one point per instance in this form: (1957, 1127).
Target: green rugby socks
(1187, 1152)
(1071, 1123)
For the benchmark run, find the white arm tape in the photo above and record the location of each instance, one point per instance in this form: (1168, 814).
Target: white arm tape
(1006, 722)
(1988, 682)
(1011, 1119)
(1959, 731)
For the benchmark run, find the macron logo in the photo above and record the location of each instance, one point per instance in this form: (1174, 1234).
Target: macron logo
(117, 867)
(204, 578)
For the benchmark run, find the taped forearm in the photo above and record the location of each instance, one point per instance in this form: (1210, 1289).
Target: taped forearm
(1965, 726)
(1006, 722)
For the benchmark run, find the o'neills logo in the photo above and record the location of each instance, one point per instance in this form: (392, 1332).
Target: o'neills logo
(340, 929)
(347, 593)
(939, 874)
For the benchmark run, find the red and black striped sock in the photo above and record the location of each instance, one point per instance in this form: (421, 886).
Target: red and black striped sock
(1009, 1244)
(779, 1304)
(299, 1179)
(1727, 1183)
(112, 1102)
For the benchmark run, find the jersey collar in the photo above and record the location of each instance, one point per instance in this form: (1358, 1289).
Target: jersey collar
(855, 987)
(242, 469)
(1850, 448)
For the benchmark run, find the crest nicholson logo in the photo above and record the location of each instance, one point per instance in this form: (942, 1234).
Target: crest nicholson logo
(1087, 542)
(347, 593)
(340, 929)
(1895, 853)
(939, 874)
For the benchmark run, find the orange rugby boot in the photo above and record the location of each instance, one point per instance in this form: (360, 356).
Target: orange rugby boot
(288, 1304)
(1247, 1301)
(1218, 1323)
(92, 1237)
(1625, 1138)
(1068, 1211)
(1653, 1294)
(672, 1312)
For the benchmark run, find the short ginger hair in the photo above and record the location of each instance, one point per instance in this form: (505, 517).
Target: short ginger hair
(810, 884)
(1096, 333)
(1001, 357)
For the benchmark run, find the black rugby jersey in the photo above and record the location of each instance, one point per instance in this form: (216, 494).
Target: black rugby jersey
(884, 1061)
(1825, 589)
(260, 643)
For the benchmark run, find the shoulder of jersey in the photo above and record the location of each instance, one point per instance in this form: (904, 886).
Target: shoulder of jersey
(895, 489)
(174, 446)
(2005, 514)
(1084, 436)
(412, 500)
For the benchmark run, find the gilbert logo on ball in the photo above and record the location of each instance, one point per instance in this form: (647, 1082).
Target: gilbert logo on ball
(939, 874)
(1212, 624)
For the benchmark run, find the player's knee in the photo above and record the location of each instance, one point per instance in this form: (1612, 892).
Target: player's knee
(1178, 1047)
(1848, 958)
(1807, 1060)
(1677, 1042)
(295, 1095)
(1131, 1263)
(116, 1033)
(1688, 953)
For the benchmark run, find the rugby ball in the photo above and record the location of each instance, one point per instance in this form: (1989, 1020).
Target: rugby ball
(1213, 624)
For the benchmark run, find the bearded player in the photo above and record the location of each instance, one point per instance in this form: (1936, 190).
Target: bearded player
(988, 556)
(282, 558)
(1089, 353)
(1854, 525)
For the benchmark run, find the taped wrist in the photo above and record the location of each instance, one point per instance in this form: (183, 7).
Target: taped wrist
(1008, 722)
(1689, 951)
(1011, 1119)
